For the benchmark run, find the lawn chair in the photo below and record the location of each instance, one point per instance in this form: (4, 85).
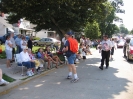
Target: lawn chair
(18, 61)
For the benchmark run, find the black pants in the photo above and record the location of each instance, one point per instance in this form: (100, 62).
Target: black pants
(112, 51)
(105, 55)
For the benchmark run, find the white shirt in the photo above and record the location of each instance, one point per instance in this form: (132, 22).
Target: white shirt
(106, 45)
(13, 42)
(64, 40)
(113, 43)
(83, 53)
(23, 42)
(81, 40)
(24, 56)
(7, 47)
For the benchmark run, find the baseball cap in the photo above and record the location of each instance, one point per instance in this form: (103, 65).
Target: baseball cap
(69, 33)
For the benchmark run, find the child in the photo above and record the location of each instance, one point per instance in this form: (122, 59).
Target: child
(88, 49)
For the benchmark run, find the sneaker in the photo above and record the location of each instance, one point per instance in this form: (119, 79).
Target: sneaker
(101, 68)
(74, 80)
(3, 82)
(69, 77)
(107, 67)
(29, 73)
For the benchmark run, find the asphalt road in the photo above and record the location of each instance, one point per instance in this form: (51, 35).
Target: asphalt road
(116, 82)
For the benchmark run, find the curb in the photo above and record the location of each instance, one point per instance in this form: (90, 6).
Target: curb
(6, 89)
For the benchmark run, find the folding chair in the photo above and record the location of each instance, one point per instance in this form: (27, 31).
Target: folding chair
(18, 61)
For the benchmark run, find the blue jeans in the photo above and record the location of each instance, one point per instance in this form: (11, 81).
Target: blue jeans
(71, 59)
(19, 49)
(29, 64)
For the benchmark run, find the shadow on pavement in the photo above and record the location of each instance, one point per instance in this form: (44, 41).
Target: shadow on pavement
(93, 84)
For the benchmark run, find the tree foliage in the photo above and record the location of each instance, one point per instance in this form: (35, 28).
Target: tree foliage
(59, 15)
(92, 30)
(123, 29)
(106, 25)
(131, 32)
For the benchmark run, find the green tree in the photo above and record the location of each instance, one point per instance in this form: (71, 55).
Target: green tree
(59, 15)
(131, 32)
(92, 30)
(106, 24)
(123, 29)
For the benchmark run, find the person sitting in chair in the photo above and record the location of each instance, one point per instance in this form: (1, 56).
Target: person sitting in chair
(27, 61)
(41, 55)
(38, 62)
(54, 57)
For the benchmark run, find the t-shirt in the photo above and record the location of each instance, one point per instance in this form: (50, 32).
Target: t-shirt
(113, 43)
(89, 42)
(106, 45)
(17, 41)
(64, 40)
(81, 40)
(23, 42)
(13, 42)
(68, 53)
(7, 47)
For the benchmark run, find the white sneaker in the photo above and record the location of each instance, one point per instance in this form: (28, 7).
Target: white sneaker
(29, 73)
(3, 82)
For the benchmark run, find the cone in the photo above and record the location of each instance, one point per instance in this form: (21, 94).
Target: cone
(0, 49)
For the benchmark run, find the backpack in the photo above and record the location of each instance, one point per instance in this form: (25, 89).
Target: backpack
(73, 45)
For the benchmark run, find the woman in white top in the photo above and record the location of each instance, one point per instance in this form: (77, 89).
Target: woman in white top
(8, 50)
(23, 42)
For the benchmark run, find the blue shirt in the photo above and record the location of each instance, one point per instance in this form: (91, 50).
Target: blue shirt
(68, 53)
(39, 55)
(17, 41)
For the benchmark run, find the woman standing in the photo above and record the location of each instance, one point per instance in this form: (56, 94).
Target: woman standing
(23, 42)
(8, 50)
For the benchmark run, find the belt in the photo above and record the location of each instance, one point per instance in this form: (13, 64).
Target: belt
(105, 50)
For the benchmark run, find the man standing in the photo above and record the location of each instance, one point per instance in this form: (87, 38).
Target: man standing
(17, 41)
(30, 44)
(106, 47)
(14, 45)
(71, 56)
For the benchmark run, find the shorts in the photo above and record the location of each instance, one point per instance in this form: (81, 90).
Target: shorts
(8, 54)
(71, 59)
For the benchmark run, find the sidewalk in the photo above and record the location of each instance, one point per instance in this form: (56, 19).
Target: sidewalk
(15, 73)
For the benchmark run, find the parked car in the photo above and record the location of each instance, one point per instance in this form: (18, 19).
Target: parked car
(128, 49)
(3, 38)
(120, 43)
(46, 41)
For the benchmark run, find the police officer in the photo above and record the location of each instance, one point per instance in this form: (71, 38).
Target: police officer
(106, 47)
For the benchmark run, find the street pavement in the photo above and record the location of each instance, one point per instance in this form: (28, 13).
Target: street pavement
(116, 82)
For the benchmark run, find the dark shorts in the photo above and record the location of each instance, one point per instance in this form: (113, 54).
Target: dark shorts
(71, 59)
